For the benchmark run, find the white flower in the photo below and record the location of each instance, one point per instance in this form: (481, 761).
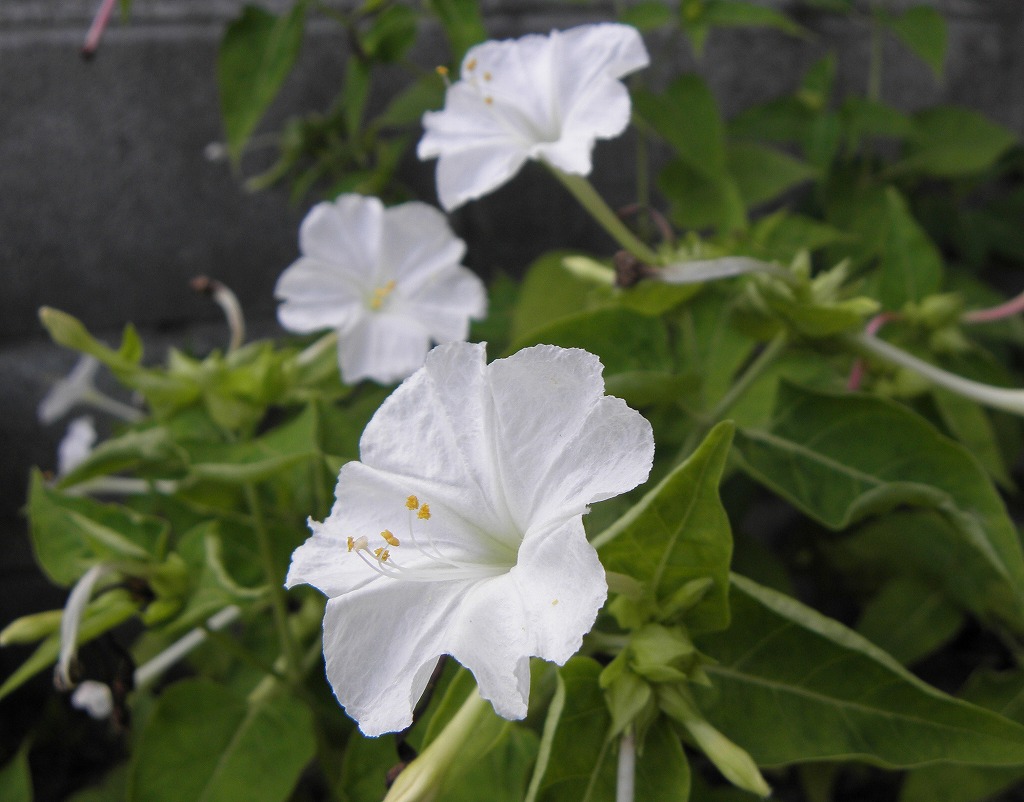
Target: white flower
(76, 445)
(71, 621)
(538, 97)
(460, 530)
(78, 387)
(387, 280)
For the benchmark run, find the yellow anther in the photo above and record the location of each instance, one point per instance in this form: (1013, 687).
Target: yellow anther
(441, 70)
(424, 512)
(412, 503)
(382, 554)
(390, 538)
(351, 544)
(380, 294)
(489, 100)
(471, 65)
(487, 76)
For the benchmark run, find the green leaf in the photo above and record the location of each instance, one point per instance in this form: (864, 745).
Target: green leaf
(680, 532)
(203, 742)
(762, 173)
(951, 141)
(730, 13)
(863, 117)
(909, 620)
(256, 54)
(15, 779)
(647, 16)
(580, 765)
(407, 107)
(687, 117)
(911, 266)
(923, 30)
(392, 34)
(624, 340)
(1002, 692)
(970, 424)
(463, 24)
(700, 199)
(69, 533)
(503, 770)
(792, 685)
(827, 455)
(549, 292)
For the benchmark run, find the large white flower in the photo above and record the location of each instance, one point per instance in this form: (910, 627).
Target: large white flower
(460, 530)
(387, 280)
(538, 97)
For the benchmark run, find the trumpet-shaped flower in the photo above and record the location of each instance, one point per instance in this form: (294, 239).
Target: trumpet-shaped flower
(387, 280)
(539, 97)
(76, 445)
(460, 530)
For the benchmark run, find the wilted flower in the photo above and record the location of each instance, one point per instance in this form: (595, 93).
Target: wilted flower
(539, 97)
(460, 530)
(387, 280)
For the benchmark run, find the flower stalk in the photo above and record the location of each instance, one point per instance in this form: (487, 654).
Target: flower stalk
(590, 200)
(421, 780)
(1004, 398)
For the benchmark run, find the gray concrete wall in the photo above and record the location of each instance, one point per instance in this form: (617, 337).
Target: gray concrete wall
(108, 205)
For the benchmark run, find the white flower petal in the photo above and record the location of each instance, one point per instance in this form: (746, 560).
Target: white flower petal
(346, 232)
(381, 644)
(316, 295)
(442, 303)
(76, 445)
(382, 347)
(471, 173)
(71, 620)
(419, 246)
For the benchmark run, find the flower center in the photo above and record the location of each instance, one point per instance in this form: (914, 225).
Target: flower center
(380, 295)
(431, 563)
(533, 128)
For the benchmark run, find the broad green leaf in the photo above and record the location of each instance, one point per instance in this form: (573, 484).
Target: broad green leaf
(110, 789)
(15, 780)
(680, 532)
(970, 424)
(762, 173)
(71, 533)
(782, 235)
(1002, 692)
(203, 742)
(549, 292)
(687, 117)
(791, 685)
(951, 141)
(581, 767)
(256, 54)
(624, 340)
(365, 768)
(701, 199)
(923, 30)
(842, 458)
(463, 24)
(909, 620)
(911, 266)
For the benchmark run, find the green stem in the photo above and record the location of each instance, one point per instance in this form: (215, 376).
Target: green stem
(743, 383)
(590, 200)
(626, 775)
(278, 599)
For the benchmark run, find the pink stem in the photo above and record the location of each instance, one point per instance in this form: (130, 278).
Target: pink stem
(871, 329)
(1012, 307)
(99, 25)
